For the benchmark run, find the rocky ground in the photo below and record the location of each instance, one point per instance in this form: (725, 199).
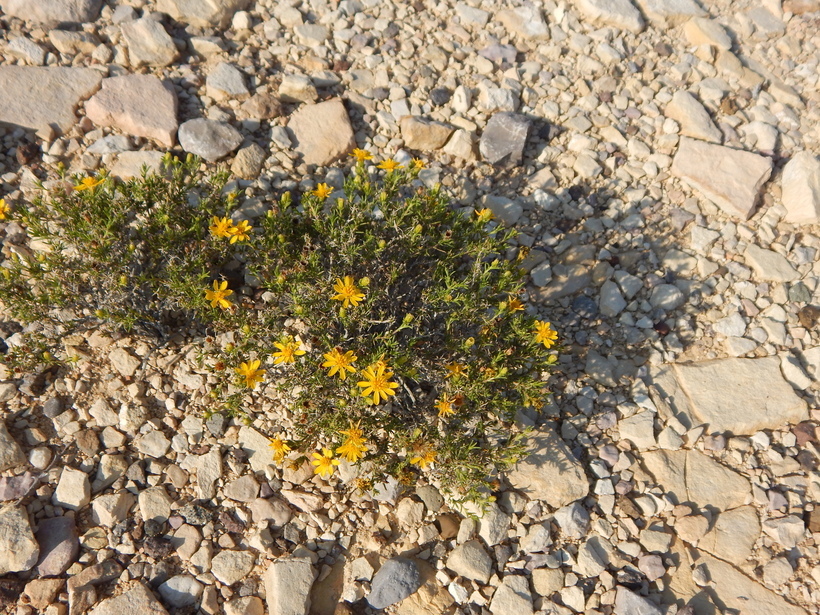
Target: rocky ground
(659, 159)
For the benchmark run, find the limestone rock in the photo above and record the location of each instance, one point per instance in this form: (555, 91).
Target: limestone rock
(287, 583)
(73, 489)
(424, 135)
(512, 597)
(130, 165)
(52, 12)
(69, 43)
(395, 580)
(667, 13)
(155, 504)
(208, 139)
(526, 21)
(700, 31)
(692, 117)
(297, 88)
(628, 602)
(313, 136)
(124, 362)
(148, 43)
(181, 590)
(740, 396)
(471, 561)
(730, 178)
(202, 13)
(639, 429)
(38, 98)
(770, 266)
(110, 509)
(504, 138)
(461, 145)
(248, 162)
(225, 81)
(18, 548)
(257, 447)
(550, 472)
(231, 566)
(11, 454)
(618, 13)
(139, 105)
(42, 592)
(139, 599)
(208, 471)
(801, 189)
(733, 535)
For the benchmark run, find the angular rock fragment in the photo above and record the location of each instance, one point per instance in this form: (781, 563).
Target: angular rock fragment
(619, 13)
(18, 548)
(208, 139)
(504, 138)
(52, 12)
(801, 189)
(692, 117)
(287, 583)
(202, 13)
(322, 132)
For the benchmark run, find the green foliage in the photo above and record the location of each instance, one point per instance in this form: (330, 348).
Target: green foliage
(388, 272)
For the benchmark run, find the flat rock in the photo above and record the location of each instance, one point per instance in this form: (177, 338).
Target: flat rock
(800, 182)
(312, 137)
(395, 580)
(11, 454)
(231, 566)
(42, 592)
(154, 504)
(639, 429)
(73, 489)
(225, 81)
(243, 489)
(692, 476)
(18, 548)
(668, 13)
(471, 561)
(733, 535)
(257, 447)
(59, 545)
(139, 599)
(550, 472)
(526, 21)
(38, 98)
(700, 31)
(138, 105)
(287, 584)
(424, 135)
(740, 396)
(52, 12)
(148, 43)
(297, 88)
(730, 178)
(770, 266)
(208, 471)
(693, 118)
(13, 487)
(110, 509)
(131, 164)
(209, 139)
(202, 13)
(628, 602)
(504, 138)
(512, 597)
(181, 590)
(493, 525)
(618, 13)
(738, 592)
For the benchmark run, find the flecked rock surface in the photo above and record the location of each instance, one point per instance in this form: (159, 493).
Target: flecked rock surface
(740, 396)
(730, 178)
(37, 97)
(52, 12)
(549, 472)
(139, 105)
(313, 136)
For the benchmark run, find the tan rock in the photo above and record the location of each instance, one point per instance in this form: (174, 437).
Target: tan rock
(322, 132)
(139, 105)
(691, 528)
(202, 13)
(801, 189)
(733, 535)
(424, 135)
(700, 31)
(693, 118)
(668, 13)
(618, 13)
(52, 12)
(130, 164)
(148, 43)
(42, 98)
(730, 178)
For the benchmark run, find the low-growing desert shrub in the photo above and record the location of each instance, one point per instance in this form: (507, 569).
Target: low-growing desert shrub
(384, 326)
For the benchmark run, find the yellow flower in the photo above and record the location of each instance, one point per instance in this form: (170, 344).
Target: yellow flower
(377, 383)
(287, 352)
(515, 305)
(347, 292)
(456, 370)
(240, 232)
(218, 295)
(322, 191)
(4, 209)
(354, 432)
(389, 165)
(352, 449)
(444, 405)
(338, 362)
(419, 164)
(484, 215)
(251, 373)
(545, 334)
(221, 227)
(280, 449)
(88, 183)
(361, 155)
(324, 463)
(423, 459)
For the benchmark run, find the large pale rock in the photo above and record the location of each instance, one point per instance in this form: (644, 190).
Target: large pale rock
(139, 105)
(110, 509)
(526, 21)
(155, 504)
(693, 118)
(138, 600)
(504, 138)
(225, 81)
(699, 31)
(39, 97)
(550, 472)
(738, 592)
(398, 578)
(18, 548)
(232, 566)
(740, 396)
(618, 13)
(287, 584)
(11, 454)
(52, 12)
(512, 597)
(691, 476)
(59, 545)
(801, 189)
(471, 561)
(130, 165)
(733, 535)
(628, 602)
(208, 471)
(770, 266)
(257, 447)
(667, 13)
(202, 13)
(148, 43)
(209, 139)
(322, 132)
(424, 135)
(730, 178)
(73, 489)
